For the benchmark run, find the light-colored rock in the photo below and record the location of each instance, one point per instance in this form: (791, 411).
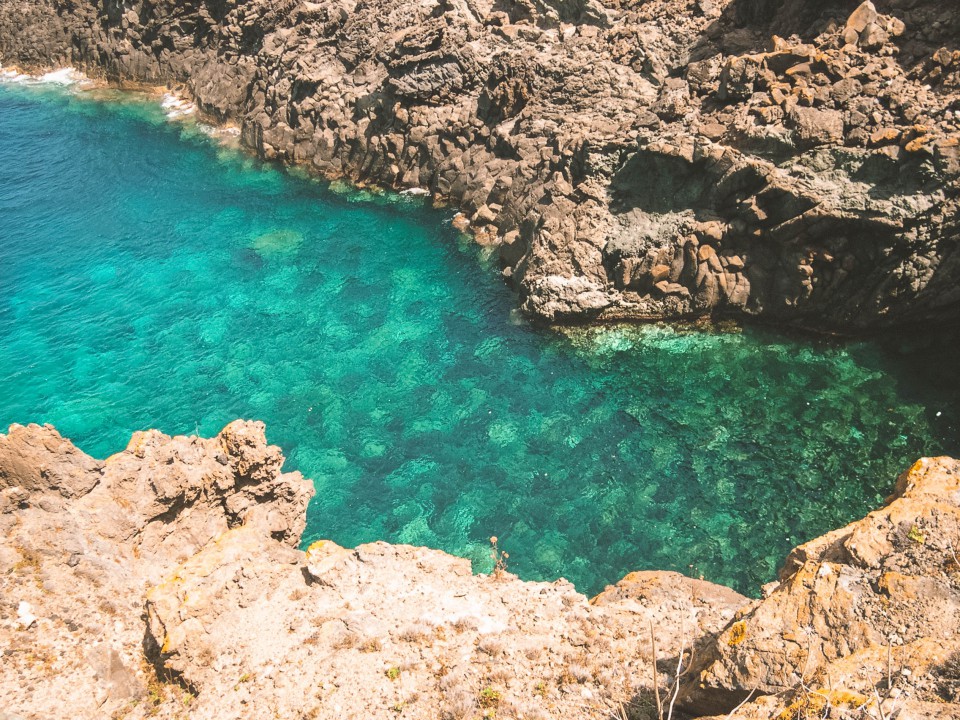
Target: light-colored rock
(864, 15)
(239, 623)
(880, 595)
(86, 538)
(816, 127)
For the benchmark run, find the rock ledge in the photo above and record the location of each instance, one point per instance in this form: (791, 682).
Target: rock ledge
(166, 582)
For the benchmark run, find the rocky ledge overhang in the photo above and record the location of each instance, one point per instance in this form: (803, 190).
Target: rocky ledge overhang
(166, 582)
(666, 159)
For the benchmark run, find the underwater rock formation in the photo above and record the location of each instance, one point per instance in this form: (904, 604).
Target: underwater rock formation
(664, 159)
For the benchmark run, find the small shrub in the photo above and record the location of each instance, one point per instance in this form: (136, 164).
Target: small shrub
(413, 634)
(489, 698)
(491, 646)
(948, 678)
(371, 645)
(499, 559)
(579, 673)
(345, 641)
(458, 705)
(30, 563)
(30, 560)
(462, 624)
(156, 694)
(525, 709)
(393, 672)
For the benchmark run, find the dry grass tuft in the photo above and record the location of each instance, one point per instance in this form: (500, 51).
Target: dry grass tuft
(491, 645)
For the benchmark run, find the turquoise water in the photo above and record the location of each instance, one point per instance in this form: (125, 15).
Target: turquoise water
(151, 278)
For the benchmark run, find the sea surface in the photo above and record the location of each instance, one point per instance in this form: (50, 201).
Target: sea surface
(152, 277)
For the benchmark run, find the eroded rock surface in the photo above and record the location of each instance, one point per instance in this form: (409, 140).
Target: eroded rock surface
(387, 629)
(165, 582)
(865, 613)
(81, 540)
(658, 159)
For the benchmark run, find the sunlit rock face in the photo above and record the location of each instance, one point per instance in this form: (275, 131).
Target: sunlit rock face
(166, 577)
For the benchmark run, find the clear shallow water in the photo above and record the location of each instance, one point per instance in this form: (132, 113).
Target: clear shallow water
(150, 278)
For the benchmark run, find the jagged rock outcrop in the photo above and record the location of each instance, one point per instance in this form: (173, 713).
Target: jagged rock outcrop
(870, 608)
(661, 159)
(165, 582)
(81, 540)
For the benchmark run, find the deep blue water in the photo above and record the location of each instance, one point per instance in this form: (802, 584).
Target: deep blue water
(150, 277)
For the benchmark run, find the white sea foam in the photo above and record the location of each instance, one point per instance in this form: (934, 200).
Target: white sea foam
(64, 77)
(177, 107)
(215, 131)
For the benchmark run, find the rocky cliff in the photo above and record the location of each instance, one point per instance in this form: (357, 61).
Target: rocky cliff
(165, 582)
(642, 159)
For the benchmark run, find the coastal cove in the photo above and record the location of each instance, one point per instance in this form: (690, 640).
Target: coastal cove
(191, 284)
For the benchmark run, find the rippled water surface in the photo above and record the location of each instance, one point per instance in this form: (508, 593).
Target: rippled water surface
(151, 278)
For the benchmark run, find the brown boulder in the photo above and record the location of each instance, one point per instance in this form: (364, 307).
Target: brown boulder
(37, 459)
(816, 127)
(865, 14)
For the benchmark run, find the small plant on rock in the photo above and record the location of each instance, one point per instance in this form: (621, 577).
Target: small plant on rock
(948, 678)
(489, 698)
(499, 559)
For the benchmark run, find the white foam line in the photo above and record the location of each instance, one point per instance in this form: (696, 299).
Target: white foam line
(177, 107)
(64, 77)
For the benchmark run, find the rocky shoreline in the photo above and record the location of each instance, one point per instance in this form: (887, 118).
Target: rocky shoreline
(796, 162)
(669, 159)
(165, 581)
